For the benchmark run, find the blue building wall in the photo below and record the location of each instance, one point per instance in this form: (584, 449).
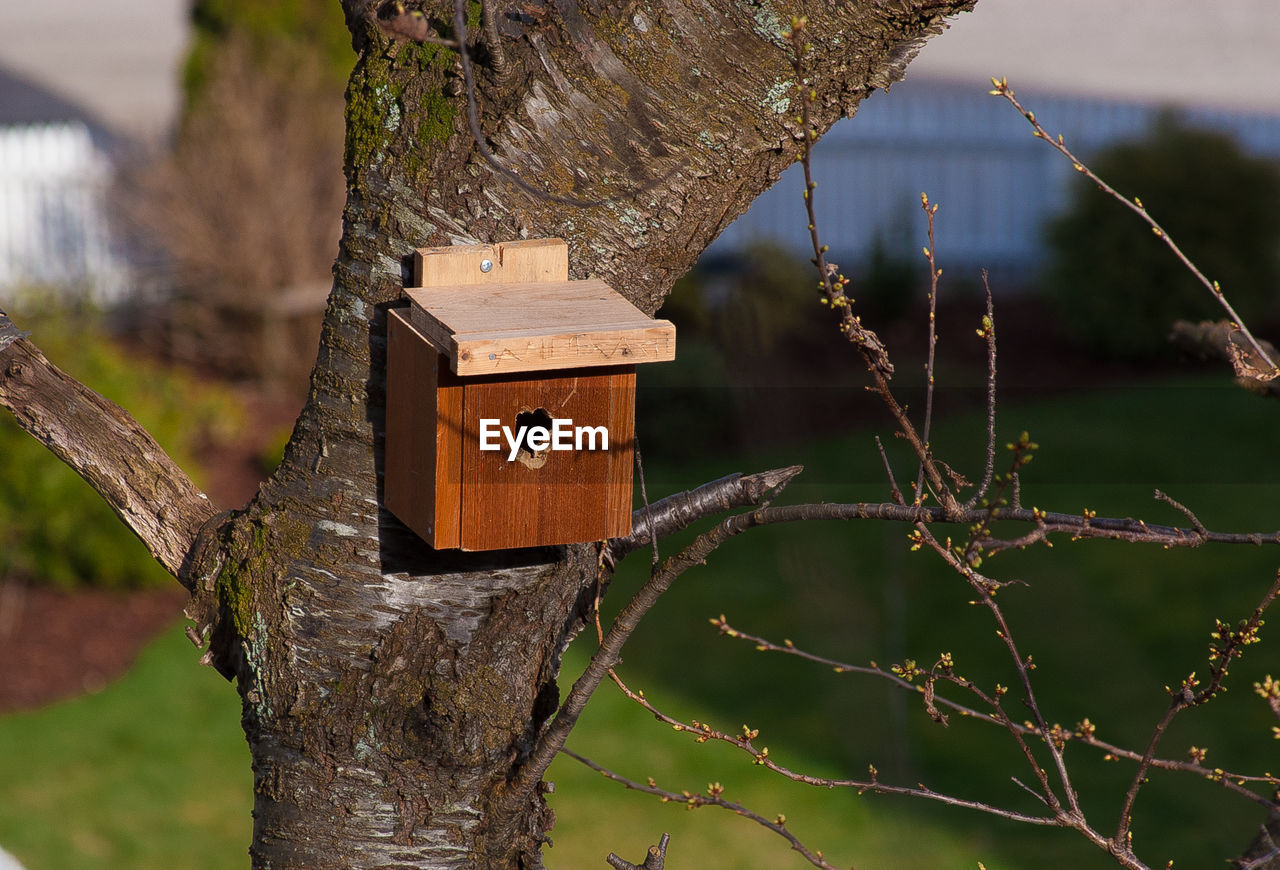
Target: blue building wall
(995, 183)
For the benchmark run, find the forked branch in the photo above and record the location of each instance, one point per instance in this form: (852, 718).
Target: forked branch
(610, 651)
(654, 859)
(1084, 733)
(714, 797)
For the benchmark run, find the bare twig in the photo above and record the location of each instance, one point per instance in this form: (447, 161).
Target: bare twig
(1000, 88)
(760, 755)
(888, 470)
(1084, 733)
(106, 447)
(713, 798)
(985, 588)
(988, 333)
(832, 285)
(610, 650)
(1228, 645)
(1183, 509)
(832, 282)
(980, 540)
(644, 501)
(1076, 525)
(654, 859)
(934, 274)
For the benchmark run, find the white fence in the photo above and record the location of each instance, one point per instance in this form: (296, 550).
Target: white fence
(54, 234)
(974, 155)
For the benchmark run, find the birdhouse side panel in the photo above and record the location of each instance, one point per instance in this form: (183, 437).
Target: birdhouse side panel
(422, 480)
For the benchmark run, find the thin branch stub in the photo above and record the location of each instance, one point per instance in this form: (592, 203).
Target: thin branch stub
(654, 860)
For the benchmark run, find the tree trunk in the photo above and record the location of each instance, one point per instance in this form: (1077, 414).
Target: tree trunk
(392, 694)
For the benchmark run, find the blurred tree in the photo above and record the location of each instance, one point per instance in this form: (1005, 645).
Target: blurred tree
(1117, 288)
(890, 278)
(245, 202)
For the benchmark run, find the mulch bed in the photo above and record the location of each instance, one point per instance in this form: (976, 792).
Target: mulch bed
(56, 644)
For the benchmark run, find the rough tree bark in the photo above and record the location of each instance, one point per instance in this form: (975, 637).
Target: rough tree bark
(392, 694)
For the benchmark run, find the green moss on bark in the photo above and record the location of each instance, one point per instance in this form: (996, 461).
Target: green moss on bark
(369, 98)
(258, 549)
(397, 109)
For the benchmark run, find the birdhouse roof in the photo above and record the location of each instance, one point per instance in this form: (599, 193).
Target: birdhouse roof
(537, 326)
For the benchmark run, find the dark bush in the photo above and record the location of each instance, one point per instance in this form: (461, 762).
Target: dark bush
(1117, 287)
(735, 320)
(890, 280)
(755, 300)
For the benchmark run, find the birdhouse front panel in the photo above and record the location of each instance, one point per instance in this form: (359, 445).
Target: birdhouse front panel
(511, 403)
(523, 488)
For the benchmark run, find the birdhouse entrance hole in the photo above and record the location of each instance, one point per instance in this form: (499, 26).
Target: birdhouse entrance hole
(525, 421)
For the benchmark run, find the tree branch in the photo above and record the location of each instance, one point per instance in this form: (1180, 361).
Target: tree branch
(653, 859)
(713, 798)
(1046, 522)
(988, 334)
(679, 511)
(1222, 341)
(1264, 853)
(610, 650)
(1085, 732)
(105, 446)
(1267, 369)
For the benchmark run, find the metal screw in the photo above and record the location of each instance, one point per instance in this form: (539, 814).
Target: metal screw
(486, 265)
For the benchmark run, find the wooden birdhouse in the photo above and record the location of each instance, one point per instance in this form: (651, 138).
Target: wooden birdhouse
(511, 399)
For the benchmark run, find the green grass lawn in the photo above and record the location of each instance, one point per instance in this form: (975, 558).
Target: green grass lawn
(595, 816)
(153, 772)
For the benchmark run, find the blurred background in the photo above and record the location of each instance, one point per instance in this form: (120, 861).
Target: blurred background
(170, 198)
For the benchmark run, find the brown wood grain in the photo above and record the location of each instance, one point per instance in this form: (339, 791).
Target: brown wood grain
(511, 262)
(527, 326)
(619, 492)
(423, 456)
(574, 496)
